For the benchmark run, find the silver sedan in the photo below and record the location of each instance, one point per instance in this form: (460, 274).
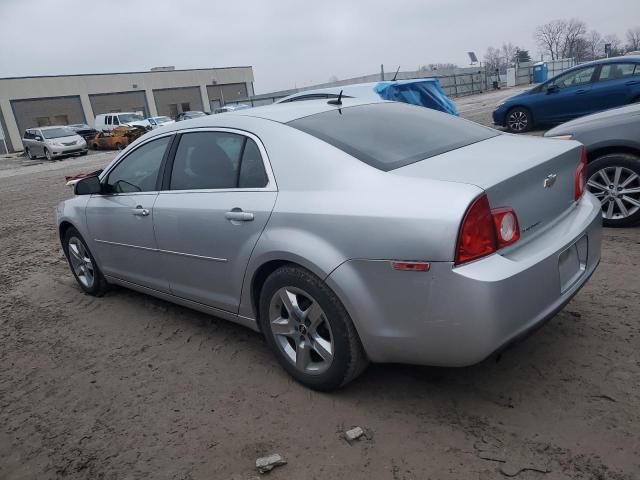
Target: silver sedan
(344, 231)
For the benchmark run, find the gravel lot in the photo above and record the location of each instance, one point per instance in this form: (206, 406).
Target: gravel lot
(127, 386)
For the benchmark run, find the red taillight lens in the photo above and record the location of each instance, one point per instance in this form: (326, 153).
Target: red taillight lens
(506, 223)
(477, 236)
(580, 180)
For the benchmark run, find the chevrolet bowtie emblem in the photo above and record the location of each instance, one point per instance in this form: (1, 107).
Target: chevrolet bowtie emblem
(550, 180)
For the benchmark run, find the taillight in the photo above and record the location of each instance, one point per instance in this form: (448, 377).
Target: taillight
(477, 236)
(506, 223)
(580, 180)
(483, 230)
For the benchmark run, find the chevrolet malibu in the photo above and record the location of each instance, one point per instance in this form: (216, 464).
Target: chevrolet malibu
(346, 231)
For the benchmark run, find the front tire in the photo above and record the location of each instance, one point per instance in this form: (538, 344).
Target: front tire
(309, 330)
(47, 154)
(82, 264)
(519, 120)
(615, 180)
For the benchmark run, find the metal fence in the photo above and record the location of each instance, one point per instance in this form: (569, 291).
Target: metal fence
(456, 82)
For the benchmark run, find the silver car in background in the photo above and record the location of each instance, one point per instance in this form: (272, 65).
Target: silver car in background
(612, 140)
(345, 232)
(53, 142)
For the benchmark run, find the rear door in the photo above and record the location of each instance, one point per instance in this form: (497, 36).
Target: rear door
(120, 222)
(616, 85)
(219, 194)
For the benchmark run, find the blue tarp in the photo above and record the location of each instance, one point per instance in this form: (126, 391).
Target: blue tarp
(425, 92)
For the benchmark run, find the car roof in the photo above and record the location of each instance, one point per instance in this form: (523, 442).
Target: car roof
(51, 127)
(287, 112)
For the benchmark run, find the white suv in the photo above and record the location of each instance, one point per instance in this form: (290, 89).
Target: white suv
(109, 121)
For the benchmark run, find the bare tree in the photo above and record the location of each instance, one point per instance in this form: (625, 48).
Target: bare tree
(633, 39)
(493, 58)
(595, 44)
(572, 34)
(509, 53)
(549, 38)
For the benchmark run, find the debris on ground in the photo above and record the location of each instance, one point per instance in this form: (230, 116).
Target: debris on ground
(353, 434)
(512, 460)
(266, 464)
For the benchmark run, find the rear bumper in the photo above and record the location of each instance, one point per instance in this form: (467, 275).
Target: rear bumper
(457, 316)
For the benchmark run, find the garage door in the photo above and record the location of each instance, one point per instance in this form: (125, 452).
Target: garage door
(230, 92)
(42, 112)
(119, 102)
(171, 101)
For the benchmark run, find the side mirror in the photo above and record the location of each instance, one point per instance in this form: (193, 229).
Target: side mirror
(39, 139)
(552, 89)
(88, 186)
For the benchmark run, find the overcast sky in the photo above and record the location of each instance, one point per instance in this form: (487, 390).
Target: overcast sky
(289, 43)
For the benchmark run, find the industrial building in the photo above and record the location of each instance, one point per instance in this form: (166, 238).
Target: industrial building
(27, 102)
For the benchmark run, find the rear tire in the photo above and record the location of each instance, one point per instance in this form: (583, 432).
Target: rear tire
(119, 146)
(519, 120)
(82, 263)
(309, 330)
(94, 146)
(615, 180)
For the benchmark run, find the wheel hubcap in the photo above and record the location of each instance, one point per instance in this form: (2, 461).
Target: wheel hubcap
(301, 330)
(618, 189)
(81, 262)
(518, 121)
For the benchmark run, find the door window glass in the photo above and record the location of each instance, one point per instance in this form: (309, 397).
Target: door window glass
(207, 160)
(577, 77)
(115, 120)
(107, 120)
(138, 172)
(615, 71)
(252, 174)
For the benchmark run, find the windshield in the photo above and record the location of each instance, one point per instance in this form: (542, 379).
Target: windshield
(58, 132)
(195, 114)
(391, 135)
(162, 119)
(129, 117)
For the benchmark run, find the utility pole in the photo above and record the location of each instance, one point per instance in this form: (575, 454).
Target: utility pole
(381, 72)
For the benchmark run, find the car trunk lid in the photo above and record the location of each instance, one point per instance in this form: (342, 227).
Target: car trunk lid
(534, 176)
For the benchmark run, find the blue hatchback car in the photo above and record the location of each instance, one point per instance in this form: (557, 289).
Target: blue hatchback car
(581, 90)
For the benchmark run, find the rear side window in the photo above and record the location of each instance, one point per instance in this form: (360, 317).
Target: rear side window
(615, 71)
(215, 160)
(391, 135)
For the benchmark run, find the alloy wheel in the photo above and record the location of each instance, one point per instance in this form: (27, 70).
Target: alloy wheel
(47, 154)
(81, 262)
(518, 121)
(301, 330)
(618, 189)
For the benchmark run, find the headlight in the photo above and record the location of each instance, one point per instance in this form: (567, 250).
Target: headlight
(563, 137)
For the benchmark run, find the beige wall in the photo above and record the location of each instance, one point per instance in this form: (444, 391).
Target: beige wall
(84, 86)
(234, 91)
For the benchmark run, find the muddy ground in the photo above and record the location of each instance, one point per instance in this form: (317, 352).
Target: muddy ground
(127, 386)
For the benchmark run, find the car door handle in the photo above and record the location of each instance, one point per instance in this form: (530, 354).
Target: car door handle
(584, 90)
(139, 211)
(632, 82)
(237, 215)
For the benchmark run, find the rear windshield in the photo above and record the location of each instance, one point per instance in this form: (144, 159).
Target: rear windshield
(391, 135)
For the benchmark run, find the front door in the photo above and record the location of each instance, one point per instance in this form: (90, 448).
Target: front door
(217, 203)
(120, 221)
(568, 96)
